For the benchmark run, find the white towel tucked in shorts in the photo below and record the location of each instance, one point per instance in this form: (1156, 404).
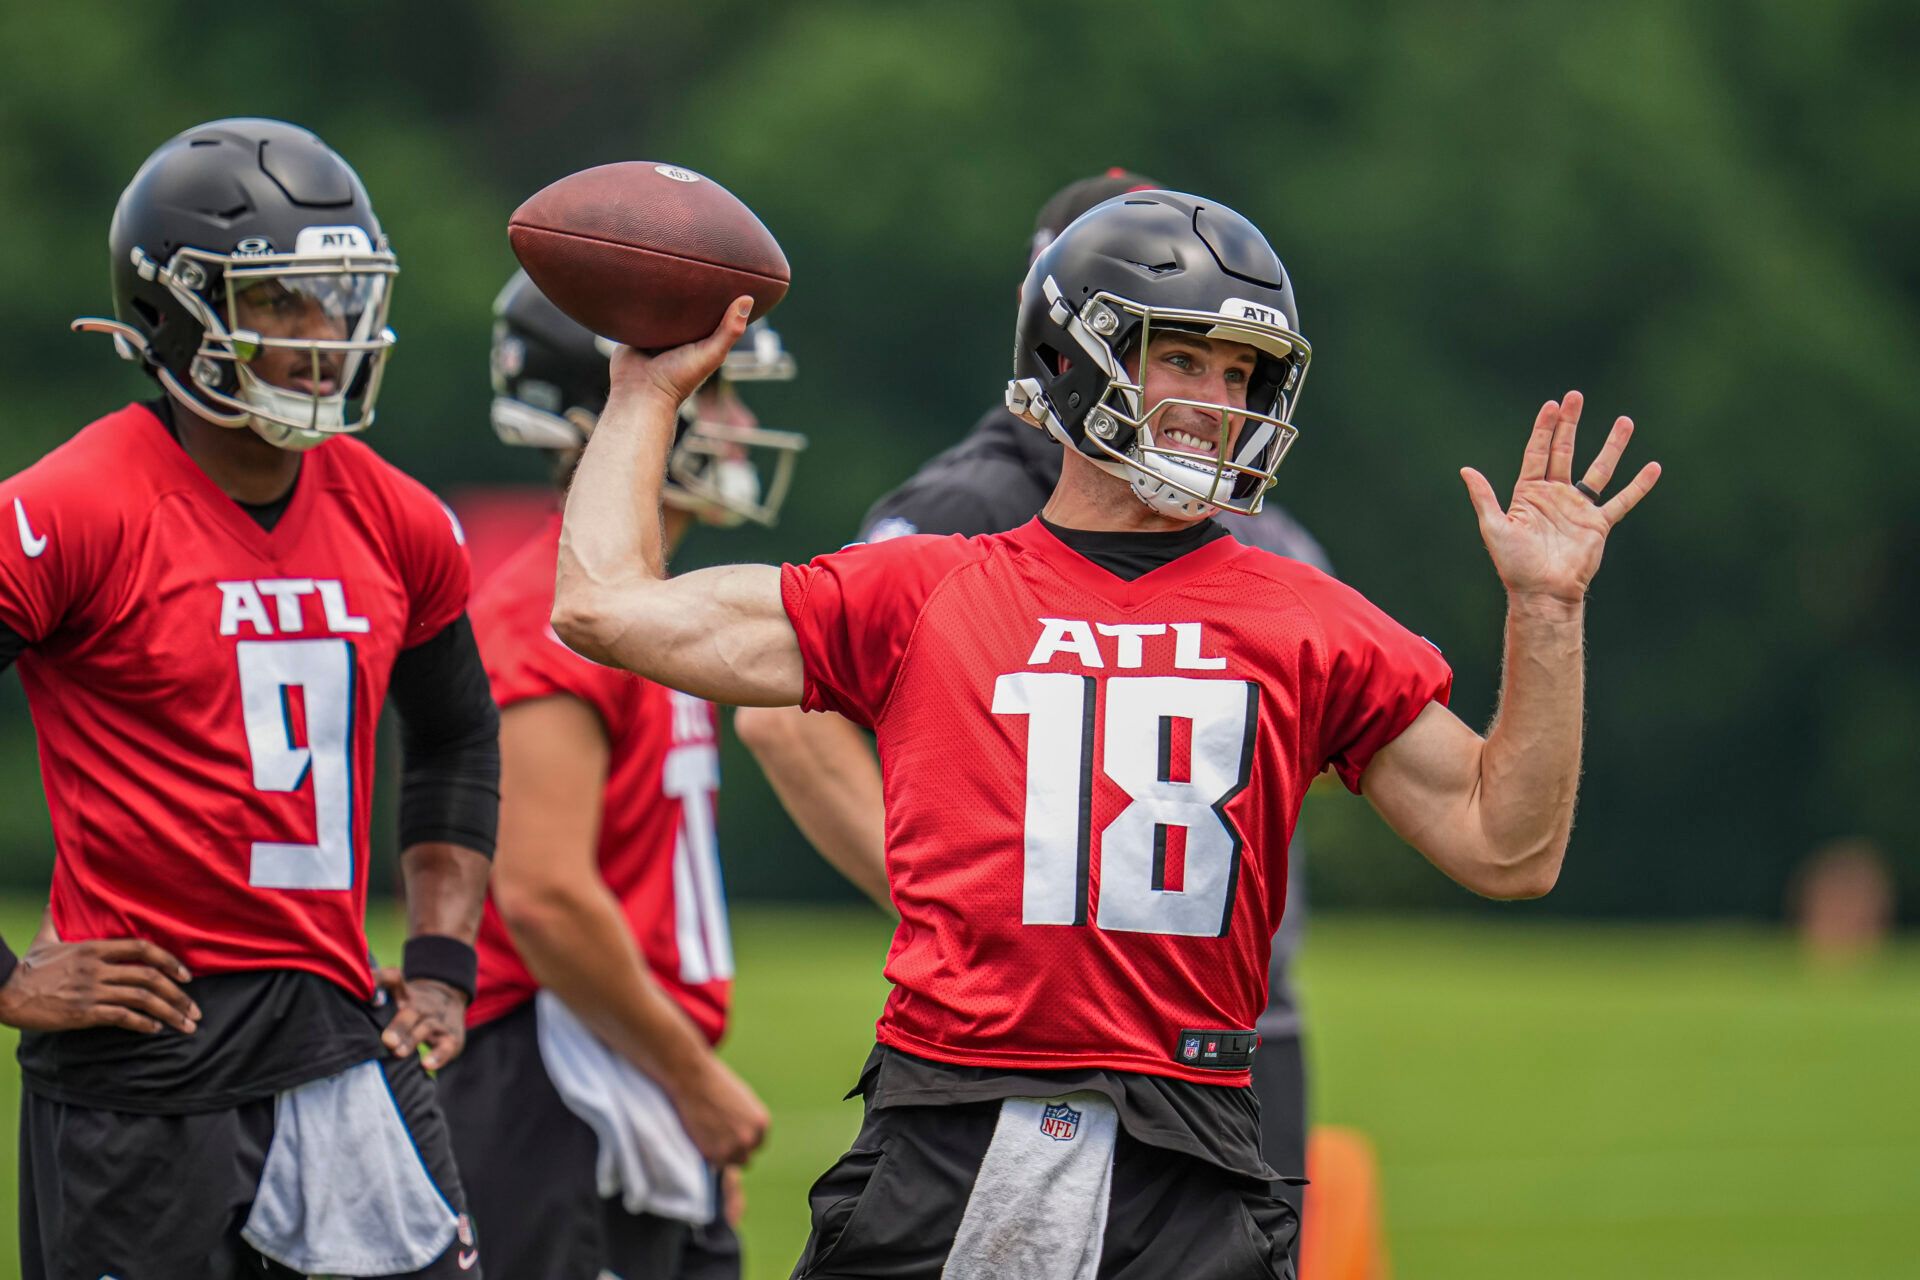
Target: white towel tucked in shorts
(646, 1157)
(344, 1192)
(1039, 1206)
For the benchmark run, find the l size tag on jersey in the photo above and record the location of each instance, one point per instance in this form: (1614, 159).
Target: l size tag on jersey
(1221, 1050)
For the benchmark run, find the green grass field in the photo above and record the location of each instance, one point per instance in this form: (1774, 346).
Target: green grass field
(1547, 1100)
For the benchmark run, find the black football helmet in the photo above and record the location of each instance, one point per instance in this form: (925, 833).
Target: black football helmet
(1144, 262)
(264, 211)
(550, 383)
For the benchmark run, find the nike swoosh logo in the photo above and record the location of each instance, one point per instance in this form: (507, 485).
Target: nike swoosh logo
(31, 543)
(467, 1258)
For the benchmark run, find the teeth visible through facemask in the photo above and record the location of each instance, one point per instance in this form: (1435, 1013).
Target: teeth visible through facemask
(1184, 450)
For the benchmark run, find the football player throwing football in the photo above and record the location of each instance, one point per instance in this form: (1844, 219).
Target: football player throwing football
(1091, 775)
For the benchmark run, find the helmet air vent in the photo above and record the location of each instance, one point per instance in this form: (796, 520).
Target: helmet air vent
(1241, 251)
(309, 173)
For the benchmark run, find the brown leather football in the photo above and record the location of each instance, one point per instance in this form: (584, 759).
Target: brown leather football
(646, 254)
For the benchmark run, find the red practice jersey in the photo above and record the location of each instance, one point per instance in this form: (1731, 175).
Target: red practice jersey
(206, 691)
(1090, 783)
(657, 852)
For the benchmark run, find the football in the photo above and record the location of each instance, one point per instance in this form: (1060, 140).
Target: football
(646, 254)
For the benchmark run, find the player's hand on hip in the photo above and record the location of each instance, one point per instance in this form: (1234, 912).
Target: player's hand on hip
(1547, 543)
(430, 1013)
(113, 982)
(675, 374)
(723, 1116)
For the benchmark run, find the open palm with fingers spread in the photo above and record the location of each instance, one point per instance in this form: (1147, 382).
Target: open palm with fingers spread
(1549, 540)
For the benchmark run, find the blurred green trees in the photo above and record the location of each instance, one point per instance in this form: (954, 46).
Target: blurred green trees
(1700, 215)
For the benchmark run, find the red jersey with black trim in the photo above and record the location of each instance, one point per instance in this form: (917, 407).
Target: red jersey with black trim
(657, 849)
(206, 691)
(1090, 783)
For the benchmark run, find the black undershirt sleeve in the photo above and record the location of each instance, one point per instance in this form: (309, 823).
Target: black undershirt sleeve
(450, 737)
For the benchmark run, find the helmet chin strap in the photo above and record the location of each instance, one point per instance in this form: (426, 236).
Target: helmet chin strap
(1163, 499)
(1153, 491)
(325, 412)
(282, 436)
(1152, 485)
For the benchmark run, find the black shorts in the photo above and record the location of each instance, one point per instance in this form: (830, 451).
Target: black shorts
(1280, 1082)
(163, 1197)
(529, 1167)
(893, 1204)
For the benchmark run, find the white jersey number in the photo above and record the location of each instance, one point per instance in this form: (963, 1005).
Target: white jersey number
(322, 670)
(699, 903)
(1137, 755)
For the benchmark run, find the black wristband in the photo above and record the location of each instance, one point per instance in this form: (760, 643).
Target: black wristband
(442, 959)
(8, 962)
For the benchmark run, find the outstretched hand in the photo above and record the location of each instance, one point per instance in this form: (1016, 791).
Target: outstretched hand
(1549, 540)
(676, 373)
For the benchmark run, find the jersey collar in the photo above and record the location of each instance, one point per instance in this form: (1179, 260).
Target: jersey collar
(225, 511)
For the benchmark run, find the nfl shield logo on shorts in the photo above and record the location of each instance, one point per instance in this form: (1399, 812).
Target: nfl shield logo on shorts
(1059, 1122)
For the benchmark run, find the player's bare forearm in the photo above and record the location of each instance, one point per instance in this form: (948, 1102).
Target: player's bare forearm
(571, 930)
(446, 886)
(824, 771)
(1530, 765)
(721, 633)
(1496, 813)
(547, 885)
(576, 943)
(611, 540)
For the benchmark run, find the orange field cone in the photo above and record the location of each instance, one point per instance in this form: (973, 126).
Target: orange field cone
(1344, 1233)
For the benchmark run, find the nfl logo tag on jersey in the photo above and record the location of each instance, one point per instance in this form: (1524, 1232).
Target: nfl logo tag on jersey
(1059, 1122)
(1190, 1049)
